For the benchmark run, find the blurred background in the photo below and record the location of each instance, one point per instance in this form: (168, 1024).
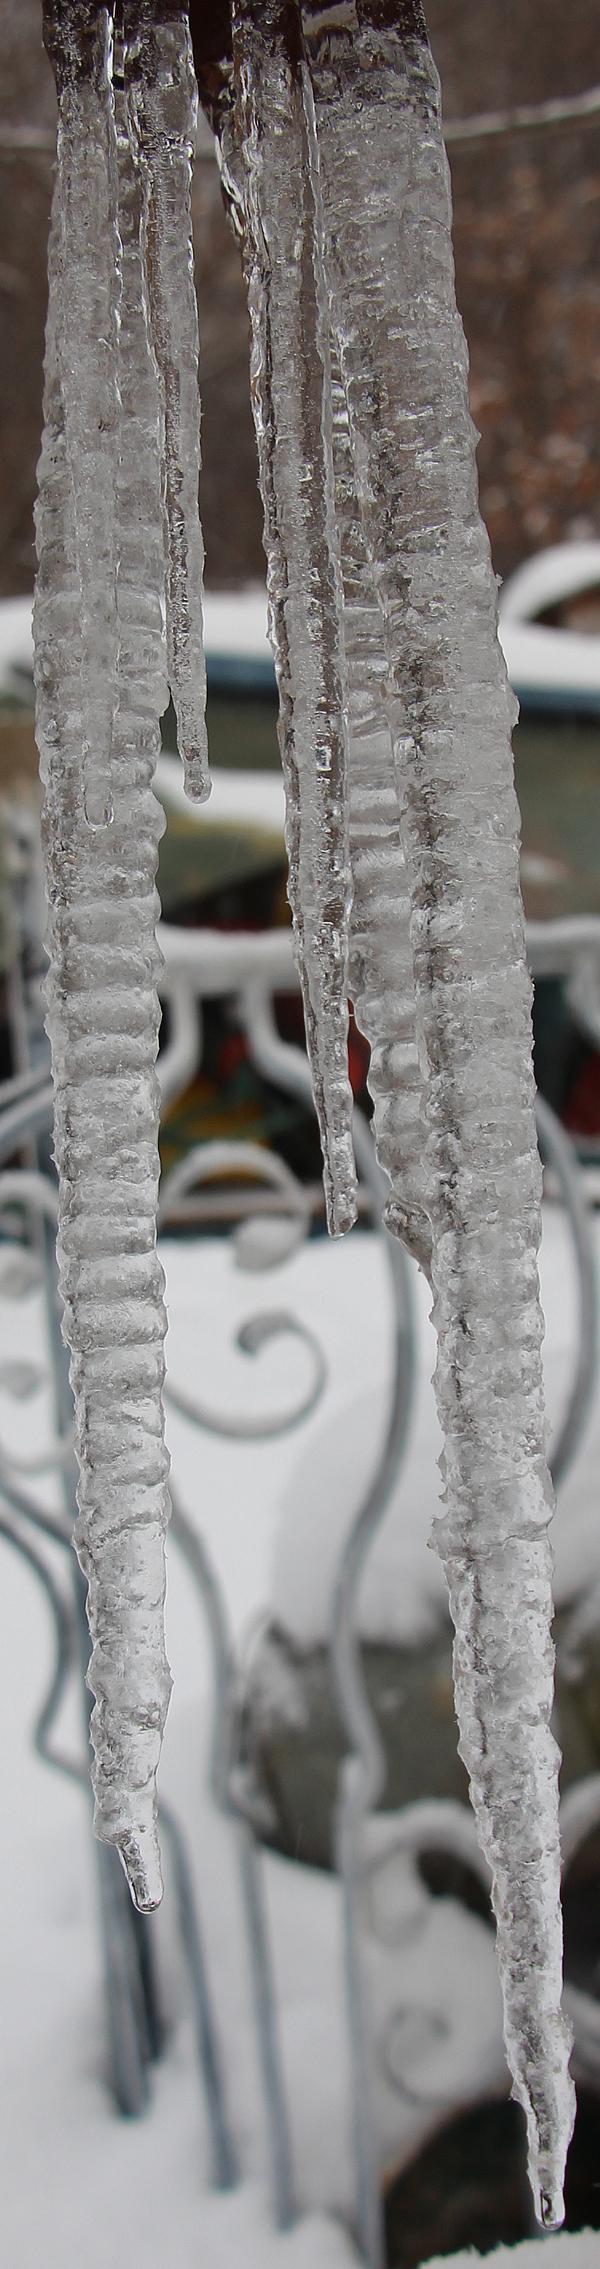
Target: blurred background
(527, 230)
(273, 1459)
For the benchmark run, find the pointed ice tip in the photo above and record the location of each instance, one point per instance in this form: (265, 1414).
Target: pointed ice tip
(551, 2211)
(340, 1210)
(196, 777)
(139, 1854)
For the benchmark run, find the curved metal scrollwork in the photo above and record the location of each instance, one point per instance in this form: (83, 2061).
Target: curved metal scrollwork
(260, 1243)
(255, 1247)
(131, 2000)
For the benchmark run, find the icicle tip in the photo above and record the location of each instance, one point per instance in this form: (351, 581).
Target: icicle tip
(197, 780)
(139, 1853)
(550, 2210)
(340, 1197)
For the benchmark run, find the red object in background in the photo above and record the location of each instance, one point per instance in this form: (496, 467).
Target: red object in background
(581, 1114)
(233, 1051)
(358, 1060)
(290, 1025)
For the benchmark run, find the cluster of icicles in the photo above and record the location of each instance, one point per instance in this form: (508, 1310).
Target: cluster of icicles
(402, 835)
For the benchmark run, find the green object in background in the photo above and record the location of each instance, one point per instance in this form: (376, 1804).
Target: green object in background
(557, 770)
(242, 731)
(199, 860)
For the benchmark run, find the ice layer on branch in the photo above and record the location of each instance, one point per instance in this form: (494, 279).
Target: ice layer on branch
(103, 1024)
(270, 165)
(403, 359)
(162, 102)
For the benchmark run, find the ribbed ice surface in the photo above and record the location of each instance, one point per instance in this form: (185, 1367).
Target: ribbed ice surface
(88, 362)
(277, 177)
(390, 270)
(103, 1022)
(380, 966)
(163, 106)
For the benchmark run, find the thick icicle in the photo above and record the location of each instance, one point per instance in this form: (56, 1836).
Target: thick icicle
(78, 40)
(162, 100)
(380, 966)
(390, 270)
(272, 172)
(103, 1023)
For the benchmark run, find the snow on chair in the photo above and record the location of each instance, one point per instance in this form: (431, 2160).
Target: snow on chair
(385, 2040)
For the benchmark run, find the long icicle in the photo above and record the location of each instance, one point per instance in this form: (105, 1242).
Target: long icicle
(162, 100)
(390, 269)
(78, 41)
(270, 169)
(103, 1022)
(380, 965)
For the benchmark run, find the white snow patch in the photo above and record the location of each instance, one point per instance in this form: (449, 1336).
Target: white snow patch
(403, 1593)
(569, 2252)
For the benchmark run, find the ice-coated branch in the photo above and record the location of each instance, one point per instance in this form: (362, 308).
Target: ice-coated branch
(390, 272)
(162, 102)
(77, 37)
(103, 1023)
(270, 165)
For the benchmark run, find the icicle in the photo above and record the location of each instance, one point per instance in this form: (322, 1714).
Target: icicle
(103, 1022)
(380, 967)
(275, 180)
(162, 103)
(78, 40)
(390, 270)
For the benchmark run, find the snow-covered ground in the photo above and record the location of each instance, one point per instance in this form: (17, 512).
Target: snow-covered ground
(75, 2181)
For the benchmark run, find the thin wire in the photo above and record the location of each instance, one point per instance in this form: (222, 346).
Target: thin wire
(487, 124)
(30, 141)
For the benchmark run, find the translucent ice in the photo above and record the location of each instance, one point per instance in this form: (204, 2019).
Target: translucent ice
(162, 103)
(103, 1024)
(79, 43)
(403, 359)
(380, 966)
(270, 161)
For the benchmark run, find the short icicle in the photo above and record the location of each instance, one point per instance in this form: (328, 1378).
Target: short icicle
(162, 103)
(77, 37)
(390, 271)
(271, 172)
(103, 1023)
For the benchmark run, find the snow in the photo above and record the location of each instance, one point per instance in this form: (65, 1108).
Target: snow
(60, 2136)
(346, 252)
(581, 2251)
(403, 1596)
